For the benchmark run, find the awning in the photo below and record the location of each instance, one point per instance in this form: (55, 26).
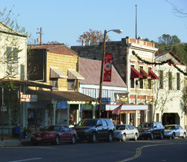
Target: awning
(72, 74)
(56, 73)
(135, 73)
(126, 108)
(153, 75)
(143, 73)
(62, 95)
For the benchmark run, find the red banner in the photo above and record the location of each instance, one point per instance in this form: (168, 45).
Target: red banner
(107, 67)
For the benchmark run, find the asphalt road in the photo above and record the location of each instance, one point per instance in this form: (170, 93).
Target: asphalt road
(135, 151)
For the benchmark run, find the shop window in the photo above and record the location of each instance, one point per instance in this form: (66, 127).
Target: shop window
(54, 82)
(132, 82)
(71, 85)
(170, 81)
(178, 81)
(161, 82)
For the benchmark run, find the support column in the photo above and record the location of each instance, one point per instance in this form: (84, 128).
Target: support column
(136, 119)
(93, 111)
(127, 118)
(68, 109)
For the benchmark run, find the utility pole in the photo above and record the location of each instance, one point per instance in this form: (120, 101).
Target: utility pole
(40, 32)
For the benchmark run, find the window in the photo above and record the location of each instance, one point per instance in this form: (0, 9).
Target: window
(178, 81)
(132, 82)
(22, 72)
(170, 81)
(54, 82)
(71, 85)
(141, 83)
(161, 79)
(157, 117)
(149, 84)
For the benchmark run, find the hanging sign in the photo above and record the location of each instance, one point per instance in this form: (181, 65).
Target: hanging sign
(62, 104)
(107, 67)
(28, 97)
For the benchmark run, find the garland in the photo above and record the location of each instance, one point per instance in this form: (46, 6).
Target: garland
(169, 61)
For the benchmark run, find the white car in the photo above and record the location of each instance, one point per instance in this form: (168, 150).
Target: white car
(174, 130)
(125, 131)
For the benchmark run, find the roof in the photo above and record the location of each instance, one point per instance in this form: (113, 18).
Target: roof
(54, 48)
(64, 95)
(160, 53)
(5, 29)
(91, 69)
(26, 83)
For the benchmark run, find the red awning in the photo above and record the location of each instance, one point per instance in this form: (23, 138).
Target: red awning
(143, 73)
(153, 75)
(135, 73)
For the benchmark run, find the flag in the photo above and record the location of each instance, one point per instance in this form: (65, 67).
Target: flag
(117, 110)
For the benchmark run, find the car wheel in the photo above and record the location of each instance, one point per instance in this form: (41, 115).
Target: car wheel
(124, 137)
(94, 138)
(135, 137)
(73, 140)
(110, 137)
(184, 135)
(161, 136)
(57, 140)
(152, 136)
(173, 136)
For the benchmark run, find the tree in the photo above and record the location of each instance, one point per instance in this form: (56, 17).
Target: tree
(92, 37)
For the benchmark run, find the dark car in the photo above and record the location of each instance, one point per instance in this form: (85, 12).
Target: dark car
(95, 129)
(54, 134)
(150, 130)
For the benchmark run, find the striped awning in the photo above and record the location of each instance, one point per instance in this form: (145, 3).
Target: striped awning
(72, 74)
(56, 73)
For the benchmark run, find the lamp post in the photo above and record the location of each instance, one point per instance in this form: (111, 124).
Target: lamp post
(102, 66)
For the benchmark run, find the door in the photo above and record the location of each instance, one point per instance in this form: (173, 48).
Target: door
(128, 132)
(99, 128)
(105, 129)
(65, 134)
(177, 131)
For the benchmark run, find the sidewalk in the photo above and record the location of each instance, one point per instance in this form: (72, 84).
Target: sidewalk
(14, 142)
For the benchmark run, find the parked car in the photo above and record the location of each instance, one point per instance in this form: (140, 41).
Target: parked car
(174, 130)
(150, 130)
(123, 132)
(95, 129)
(55, 134)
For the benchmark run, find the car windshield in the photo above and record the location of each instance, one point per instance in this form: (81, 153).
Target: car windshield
(147, 125)
(120, 127)
(53, 128)
(87, 123)
(169, 127)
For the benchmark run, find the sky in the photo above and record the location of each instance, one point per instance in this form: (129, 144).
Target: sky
(65, 20)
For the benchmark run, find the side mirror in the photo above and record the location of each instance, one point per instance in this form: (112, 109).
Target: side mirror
(154, 127)
(99, 125)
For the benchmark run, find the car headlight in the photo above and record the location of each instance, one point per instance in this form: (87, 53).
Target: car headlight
(49, 135)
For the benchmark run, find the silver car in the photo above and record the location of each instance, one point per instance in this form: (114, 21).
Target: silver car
(125, 131)
(174, 130)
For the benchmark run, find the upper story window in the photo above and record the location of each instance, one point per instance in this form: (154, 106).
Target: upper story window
(22, 72)
(132, 82)
(178, 81)
(54, 82)
(170, 81)
(149, 84)
(161, 81)
(141, 83)
(71, 84)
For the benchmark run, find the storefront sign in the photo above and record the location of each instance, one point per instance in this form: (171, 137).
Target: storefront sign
(107, 67)
(62, 105)
(28, 98)
(88, 106)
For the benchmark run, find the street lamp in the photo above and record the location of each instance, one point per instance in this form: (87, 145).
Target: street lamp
(102, 66)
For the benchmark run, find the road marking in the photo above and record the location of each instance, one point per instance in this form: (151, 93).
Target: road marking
(26, 160)
(138, 152)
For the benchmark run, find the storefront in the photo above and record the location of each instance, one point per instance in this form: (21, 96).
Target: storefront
(128, 114)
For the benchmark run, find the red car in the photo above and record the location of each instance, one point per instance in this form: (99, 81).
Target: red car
(55, 134)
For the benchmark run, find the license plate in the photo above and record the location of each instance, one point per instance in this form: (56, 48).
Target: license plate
(38, 138)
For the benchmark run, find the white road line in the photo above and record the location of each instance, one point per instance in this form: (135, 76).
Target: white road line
(26, 160)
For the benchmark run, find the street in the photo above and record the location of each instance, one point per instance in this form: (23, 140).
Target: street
(135, 151)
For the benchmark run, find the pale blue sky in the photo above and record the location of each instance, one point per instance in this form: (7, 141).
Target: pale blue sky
(65, 20)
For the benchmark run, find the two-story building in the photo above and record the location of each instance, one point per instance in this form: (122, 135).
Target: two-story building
(136, 74)
(55, 65)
